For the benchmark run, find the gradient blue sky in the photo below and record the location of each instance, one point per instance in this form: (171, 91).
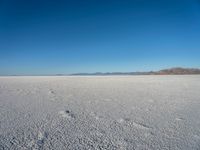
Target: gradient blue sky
(69, 36)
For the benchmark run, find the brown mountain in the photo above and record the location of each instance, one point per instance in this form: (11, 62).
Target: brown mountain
(178, 71)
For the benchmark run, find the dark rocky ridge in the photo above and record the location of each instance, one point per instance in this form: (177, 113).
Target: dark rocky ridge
(179, 71)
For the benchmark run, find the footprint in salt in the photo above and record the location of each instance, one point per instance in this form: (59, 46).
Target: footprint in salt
(66, 114)
(151, 101)
(97, 117)
(179, 119)
(141, 125)
(107, 100)
(52, 95)
(52, 92)
(197, 137)
(41, 138)
(123, 120)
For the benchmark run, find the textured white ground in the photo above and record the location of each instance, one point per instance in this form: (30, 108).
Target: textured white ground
(115, 112)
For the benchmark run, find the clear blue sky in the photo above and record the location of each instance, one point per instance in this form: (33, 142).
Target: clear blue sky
(69, 36)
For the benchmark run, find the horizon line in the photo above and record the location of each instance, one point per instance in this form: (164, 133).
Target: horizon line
(103, 73)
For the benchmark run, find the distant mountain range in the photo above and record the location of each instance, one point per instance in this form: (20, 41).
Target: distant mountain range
(171, 71)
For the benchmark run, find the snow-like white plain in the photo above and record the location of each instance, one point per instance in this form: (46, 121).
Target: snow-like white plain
(112, 112)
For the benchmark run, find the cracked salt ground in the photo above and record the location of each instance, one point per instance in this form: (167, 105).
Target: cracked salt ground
(116, 112)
